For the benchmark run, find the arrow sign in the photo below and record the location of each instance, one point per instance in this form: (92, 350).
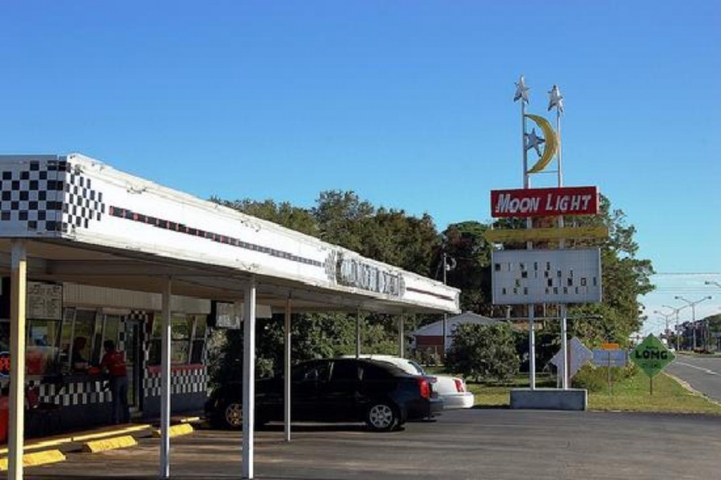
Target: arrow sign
(580, 355)
(652, 356)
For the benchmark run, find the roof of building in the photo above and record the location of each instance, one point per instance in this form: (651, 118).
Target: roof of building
(436, 328)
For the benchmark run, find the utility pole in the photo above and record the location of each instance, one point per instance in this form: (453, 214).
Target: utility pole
(693, 312)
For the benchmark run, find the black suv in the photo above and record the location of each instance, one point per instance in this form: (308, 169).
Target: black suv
(336, 390)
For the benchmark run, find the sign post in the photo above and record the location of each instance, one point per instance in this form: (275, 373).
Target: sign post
(652, 356)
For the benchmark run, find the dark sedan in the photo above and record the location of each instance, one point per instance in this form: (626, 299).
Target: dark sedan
(338, 390)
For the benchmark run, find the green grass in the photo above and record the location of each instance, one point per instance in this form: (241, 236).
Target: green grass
(629, 395)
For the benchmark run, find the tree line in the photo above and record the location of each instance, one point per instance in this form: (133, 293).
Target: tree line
(414, 243)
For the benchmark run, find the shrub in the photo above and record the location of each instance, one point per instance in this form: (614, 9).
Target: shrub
(484, 353)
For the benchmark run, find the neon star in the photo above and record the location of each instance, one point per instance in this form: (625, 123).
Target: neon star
(521, 90)
(555, 99)
(534, 141)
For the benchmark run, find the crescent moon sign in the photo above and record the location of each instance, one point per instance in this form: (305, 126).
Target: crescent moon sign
(550, 147)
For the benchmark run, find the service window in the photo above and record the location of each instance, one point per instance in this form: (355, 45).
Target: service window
(187, 339)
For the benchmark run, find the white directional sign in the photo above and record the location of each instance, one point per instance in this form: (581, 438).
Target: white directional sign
(610, 358)
(580, 355)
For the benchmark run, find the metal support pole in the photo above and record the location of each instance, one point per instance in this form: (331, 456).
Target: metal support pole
(248, 379)
(693, 322)
(401, 336)
(18, 284)
(286, 370)
(445, 315)
(532, 347)
(165, 381)
(357, 334)
(564, 346)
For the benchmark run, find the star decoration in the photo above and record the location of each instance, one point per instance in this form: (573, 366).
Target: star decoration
(534, 141)
(555, 99)
(521, 90)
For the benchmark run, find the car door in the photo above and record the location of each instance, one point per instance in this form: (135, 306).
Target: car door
(337, 396)
(306, 382)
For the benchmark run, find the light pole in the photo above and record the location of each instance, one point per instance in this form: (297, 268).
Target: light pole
(708, 331)
(449, 263)
(693, 312)
(676, 310)
(665, 316)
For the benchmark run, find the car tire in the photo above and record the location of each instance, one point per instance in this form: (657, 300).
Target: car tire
(233, 415)
(382, 417)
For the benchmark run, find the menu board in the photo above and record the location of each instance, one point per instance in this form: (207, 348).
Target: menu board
(44, 301)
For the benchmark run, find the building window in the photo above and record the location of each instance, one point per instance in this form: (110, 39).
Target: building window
(187, 339)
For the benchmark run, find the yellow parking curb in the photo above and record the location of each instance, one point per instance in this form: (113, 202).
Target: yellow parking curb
(176, 430)
(36, 458)
(110, 433)
(56, 442)
(112, 443)
(189, 419)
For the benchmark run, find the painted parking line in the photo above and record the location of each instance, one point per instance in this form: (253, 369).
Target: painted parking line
(705, 370)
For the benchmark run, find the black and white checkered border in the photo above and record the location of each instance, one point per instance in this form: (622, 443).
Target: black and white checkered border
(81, 203)
(181, 382)
(49, 196)
(72, 394)
(34, 195)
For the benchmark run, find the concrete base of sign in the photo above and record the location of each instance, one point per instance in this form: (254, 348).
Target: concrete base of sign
(549, 399)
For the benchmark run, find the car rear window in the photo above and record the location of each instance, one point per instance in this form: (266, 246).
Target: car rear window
(379, 370)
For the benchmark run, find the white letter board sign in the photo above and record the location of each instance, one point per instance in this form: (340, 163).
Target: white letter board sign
(546, 276)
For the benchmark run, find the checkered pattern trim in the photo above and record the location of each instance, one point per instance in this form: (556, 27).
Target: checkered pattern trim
(34, 195)
(181, 381)
(49, 196)
(82, 203)
(82, 393)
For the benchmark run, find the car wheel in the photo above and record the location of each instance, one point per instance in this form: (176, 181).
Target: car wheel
(382, 417)
(233, 415)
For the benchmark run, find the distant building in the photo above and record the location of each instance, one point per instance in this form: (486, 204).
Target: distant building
(429, 338)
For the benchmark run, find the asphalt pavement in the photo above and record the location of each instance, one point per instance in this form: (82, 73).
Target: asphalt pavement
(468, 444)
(702, 373)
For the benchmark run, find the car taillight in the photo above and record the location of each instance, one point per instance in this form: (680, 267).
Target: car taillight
(424, 387)
(459, 385)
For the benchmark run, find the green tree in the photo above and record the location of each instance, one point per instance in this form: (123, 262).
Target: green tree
(464, 242)
(284, 213)
(484, 353)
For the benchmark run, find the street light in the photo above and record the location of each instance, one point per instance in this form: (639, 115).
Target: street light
(665, 316)
(708, 331)
(693, 313)
(676, 310)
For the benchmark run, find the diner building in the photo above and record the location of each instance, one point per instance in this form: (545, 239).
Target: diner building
(89, 253)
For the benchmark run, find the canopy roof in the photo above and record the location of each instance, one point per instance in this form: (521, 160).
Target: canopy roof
(88, 223)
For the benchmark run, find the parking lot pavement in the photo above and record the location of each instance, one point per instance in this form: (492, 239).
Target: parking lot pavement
(468, 444)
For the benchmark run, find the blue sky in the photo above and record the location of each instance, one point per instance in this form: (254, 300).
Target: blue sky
(409, 103)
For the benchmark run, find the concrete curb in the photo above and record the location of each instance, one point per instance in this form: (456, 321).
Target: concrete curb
(692, 390)
(36, 458)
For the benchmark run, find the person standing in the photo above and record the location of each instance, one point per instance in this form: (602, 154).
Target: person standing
(113, 363)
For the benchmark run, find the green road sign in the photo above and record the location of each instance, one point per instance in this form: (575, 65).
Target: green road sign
(652, 356)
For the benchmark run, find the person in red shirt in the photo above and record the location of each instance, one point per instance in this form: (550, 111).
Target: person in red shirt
(113, 363)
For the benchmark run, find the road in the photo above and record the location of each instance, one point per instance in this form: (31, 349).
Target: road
(702, 373)
(469, 444)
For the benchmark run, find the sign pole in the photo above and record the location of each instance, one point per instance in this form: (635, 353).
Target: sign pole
(608, 371)
(529, 245)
